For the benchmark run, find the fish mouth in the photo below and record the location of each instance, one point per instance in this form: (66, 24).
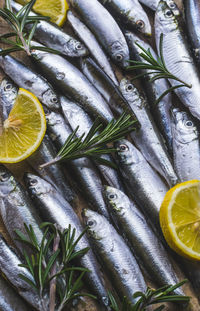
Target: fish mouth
(28, 177)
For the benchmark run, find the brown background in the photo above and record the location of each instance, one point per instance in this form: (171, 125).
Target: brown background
(19, 168)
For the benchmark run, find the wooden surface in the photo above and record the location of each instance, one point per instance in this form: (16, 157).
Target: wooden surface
(22, 167)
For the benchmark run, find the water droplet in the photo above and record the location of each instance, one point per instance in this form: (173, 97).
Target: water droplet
(60, 75)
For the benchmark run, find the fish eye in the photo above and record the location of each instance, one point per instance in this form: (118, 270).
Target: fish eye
(140, 24)
(119, 57)
(172, 5)
(33, 182)
(78, 46)
(4, 176)
(112, 196)
(129, 87)
(54, 99)
(169, 13)
(123, 147)
(189, 123)
(8, 87)
(91, 223)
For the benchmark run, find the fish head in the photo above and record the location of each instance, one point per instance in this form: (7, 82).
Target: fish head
(36, 185)
(130, 92)
(51, 99)
(127, 154)
(184, 129)
(142, 23)
(120, 53)
(76, 48)
(95, 224)
(117, 200)
(166, 15)
(7, 182)
(52, 118)
(9, 89)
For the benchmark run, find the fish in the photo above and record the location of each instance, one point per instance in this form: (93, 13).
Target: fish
(82, 170)
(114, 256)
(186, 146)
(54, 173)
(30, 80)
(192, 16)
(16, 208)
(8, 95)
(154, 89)
(177, 55)
(54, 208)
(131, 13)
(9, 299)
(9, 266)
(143, 184)
(54, 37)
(72, 83)
(148, 139)
(143, 241)
(105, 28)
(92, 44)
(76, 116)
(152, 4)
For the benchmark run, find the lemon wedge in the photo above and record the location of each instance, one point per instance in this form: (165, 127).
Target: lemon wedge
(55, 9)
(180, 219)
(24, 129)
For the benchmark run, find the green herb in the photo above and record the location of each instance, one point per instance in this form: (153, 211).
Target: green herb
(93, 145)
(51, 264)
(156, 67)
(151, 297)
(19, 39)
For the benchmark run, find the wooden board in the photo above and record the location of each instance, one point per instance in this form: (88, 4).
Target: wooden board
(22, 167)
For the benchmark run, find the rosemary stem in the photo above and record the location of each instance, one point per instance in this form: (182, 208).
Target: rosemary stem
(54, 161)
(26, 47)
(52, 294)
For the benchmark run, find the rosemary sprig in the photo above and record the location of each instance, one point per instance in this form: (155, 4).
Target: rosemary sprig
(93, 145)
(150, 297)
(156, 68)
(19, 39)
(51, 264)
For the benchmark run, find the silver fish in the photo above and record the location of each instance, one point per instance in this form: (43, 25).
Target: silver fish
(177, 55)
(83, 170)
(147, 138)
(9, 265)
(114, 255)
(72, 83)
(54, 37)
(76, 116)
(16, 208)
(153, 89)
(152, 4)
(145, 186)
(144, 243)
(8, 95)
(186, 146)
(53, 207)
(92, 44)
(192, 15)
(105, 28)
(53, 174)
(28, 79)
(9, 299)
(131, 13)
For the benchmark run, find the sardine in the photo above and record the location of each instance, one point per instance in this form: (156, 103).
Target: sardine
(8, 95)
(9, 299)
(53, 174)
(9, 265)
(54, 208)
(147, 138)
(28, 79)
(186, 146)
(144, 243)
(152, 4)
(153, 89)
(83, 170)
(114, 256)
(105, 28)
(76, 116)
(177, 55)
(72, 83)
(131, 13)
(16, 208)
(92, 44)
(192, 15)
(54, 37)
(144, 185)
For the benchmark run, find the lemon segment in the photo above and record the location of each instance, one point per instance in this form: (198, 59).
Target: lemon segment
(24, 129)
(180, 219)
(55, 9)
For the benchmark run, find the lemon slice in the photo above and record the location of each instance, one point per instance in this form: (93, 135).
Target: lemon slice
(180, 219)
(24, 129)
(55, 9)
